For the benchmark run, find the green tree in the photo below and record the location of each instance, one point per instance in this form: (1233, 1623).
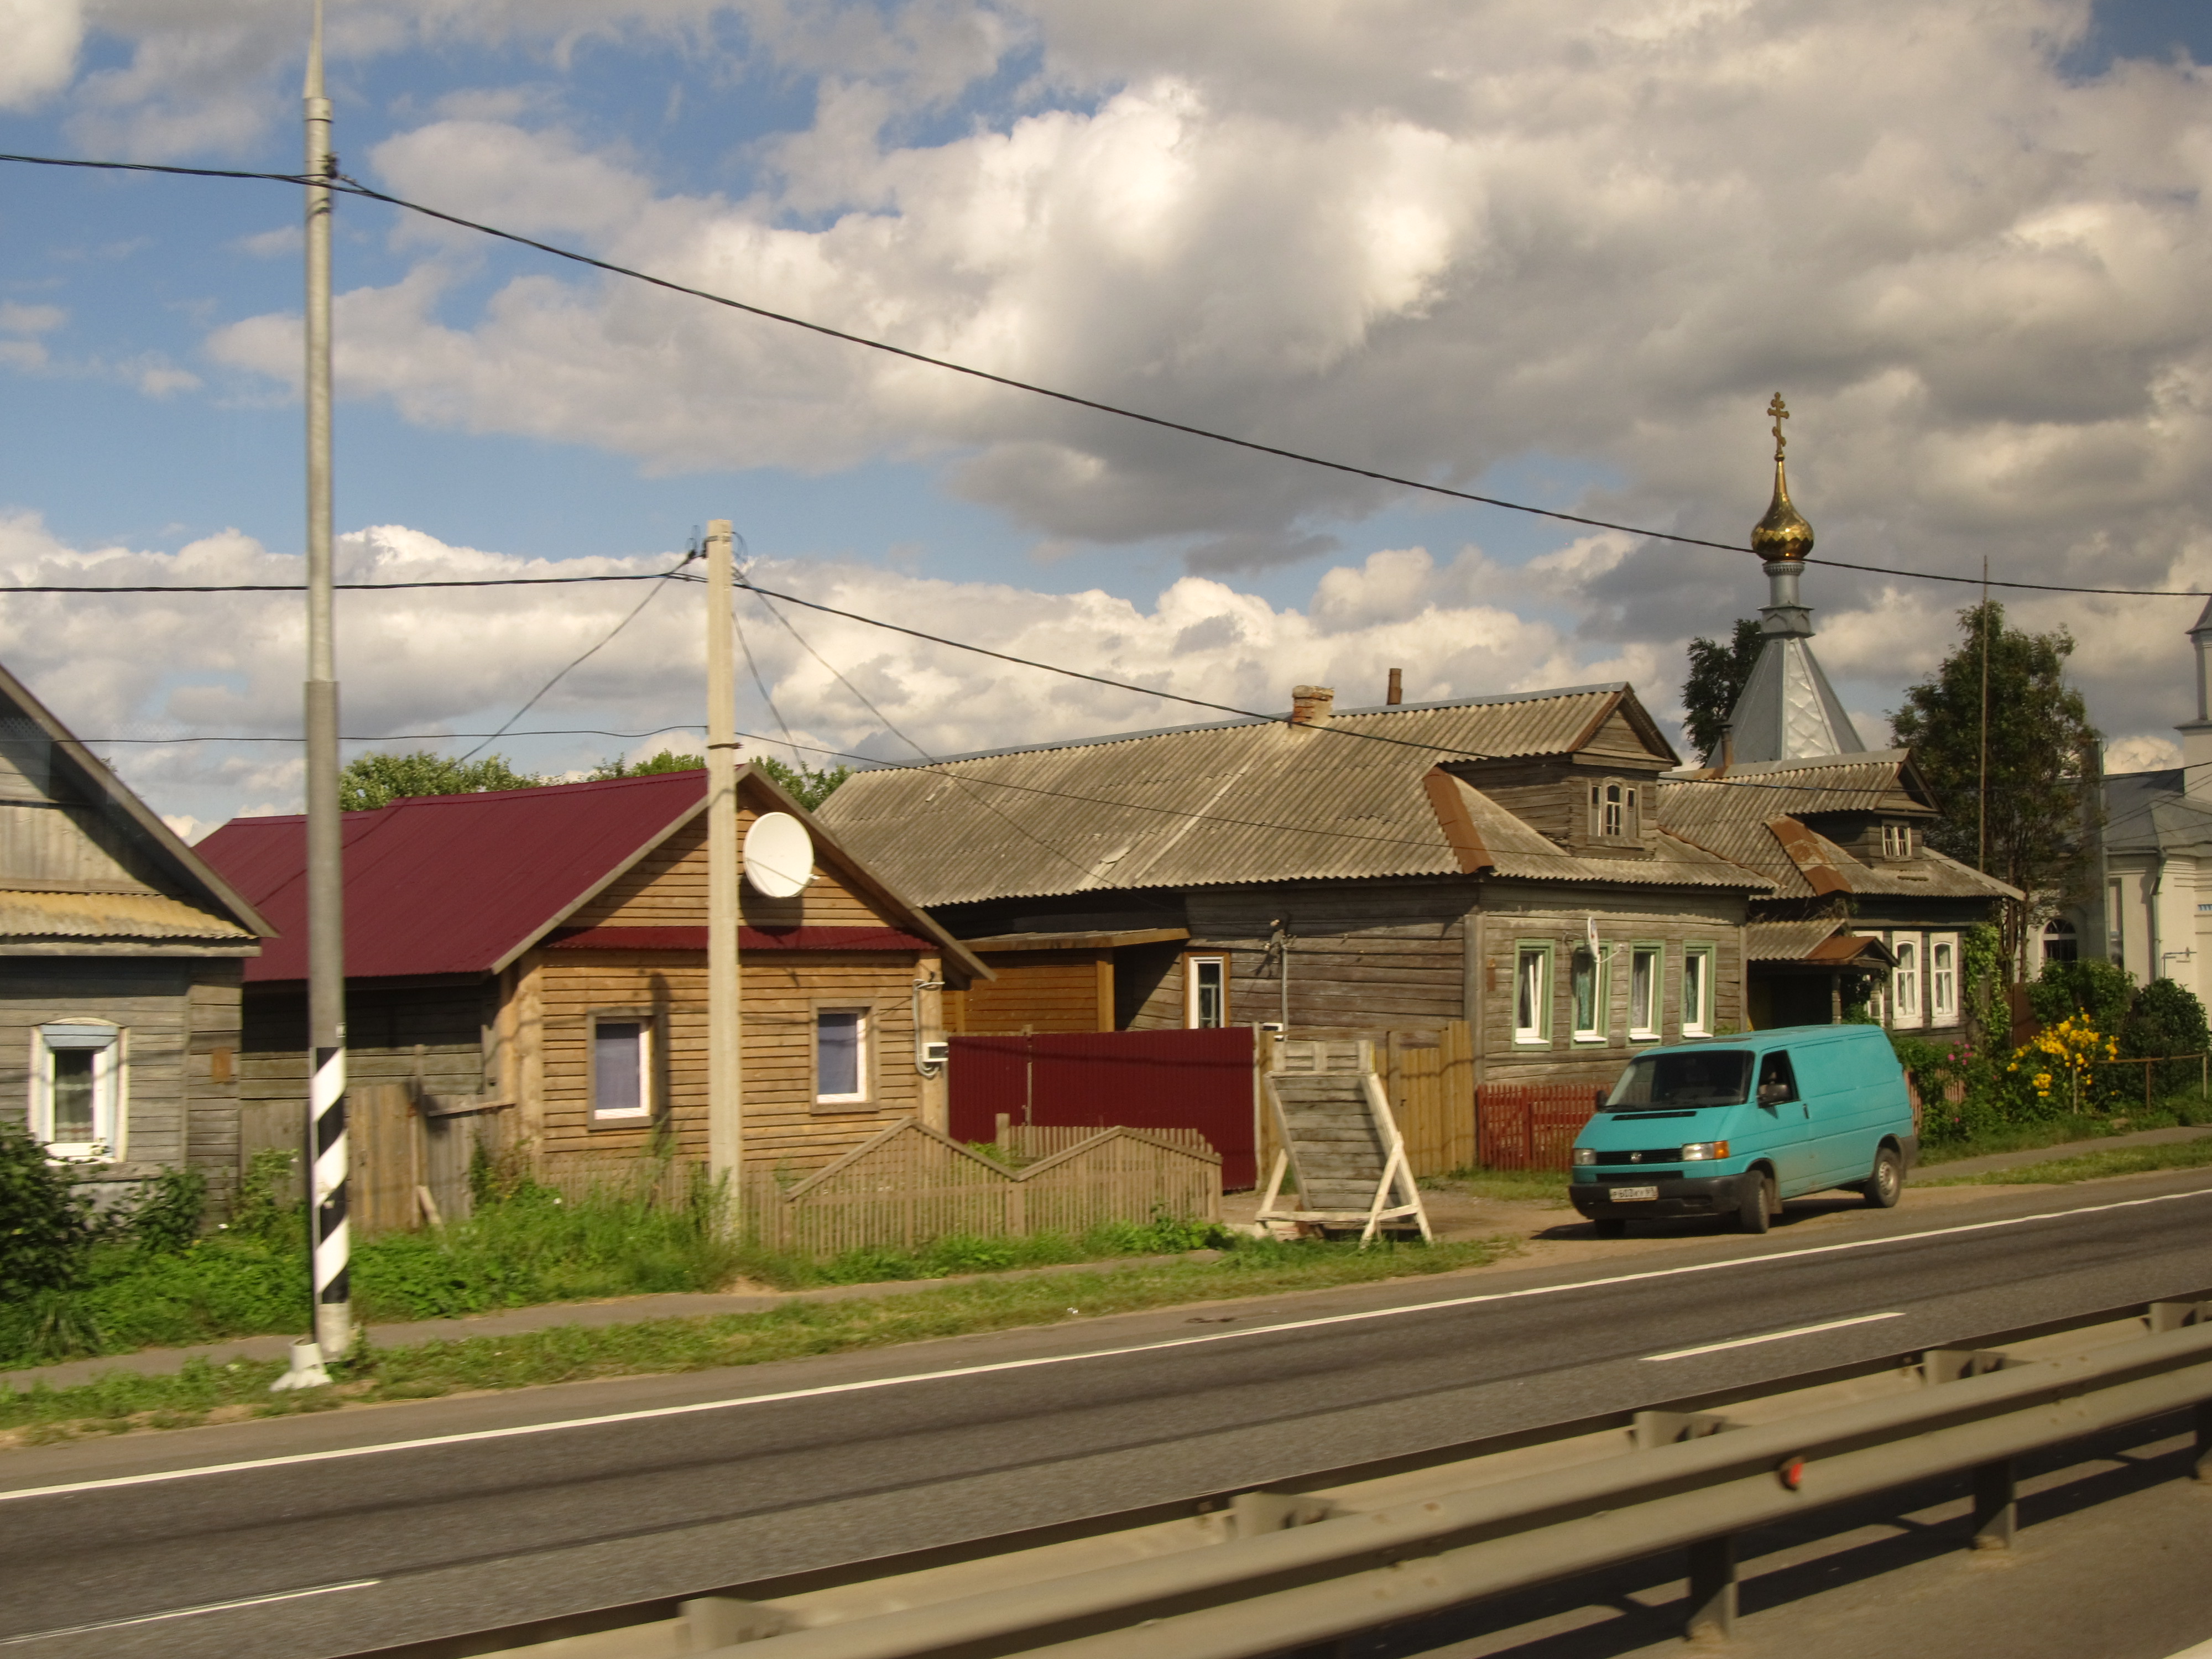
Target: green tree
(667, 760)
(1718, 676)
(379, 779)
(809, 788)
(2038, 732)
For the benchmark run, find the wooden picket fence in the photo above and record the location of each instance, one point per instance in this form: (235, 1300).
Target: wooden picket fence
(910, 1183)
(1532, 1126)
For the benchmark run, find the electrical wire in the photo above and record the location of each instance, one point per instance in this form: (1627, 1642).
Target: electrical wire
(350, 587)
(345, 184)
(760, 683)
(651, 594)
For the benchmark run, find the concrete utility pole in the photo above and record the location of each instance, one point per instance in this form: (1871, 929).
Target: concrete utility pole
(326, 1108)
(725, 1004)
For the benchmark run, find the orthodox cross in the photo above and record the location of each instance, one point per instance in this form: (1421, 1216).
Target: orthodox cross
(1781, 413)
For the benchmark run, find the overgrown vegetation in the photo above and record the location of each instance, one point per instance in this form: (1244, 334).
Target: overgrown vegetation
(378, 779)
(202, 1392)
(78, 1285)
(2075, 1070)
(2092, 1166)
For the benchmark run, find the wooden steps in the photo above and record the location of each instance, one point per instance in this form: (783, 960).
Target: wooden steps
(1337, 1135)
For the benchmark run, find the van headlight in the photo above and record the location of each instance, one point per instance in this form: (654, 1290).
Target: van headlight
(1699, 1151)
(1585, 1155)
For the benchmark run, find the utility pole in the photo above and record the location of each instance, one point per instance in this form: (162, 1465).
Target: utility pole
(725, 1004)
(1982, 793)
(326, 1108)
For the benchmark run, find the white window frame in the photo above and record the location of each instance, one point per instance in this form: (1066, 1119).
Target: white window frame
(1697, 1008)
(1897, 841)
(1192, 990)
(1942, 981)
(1647, 968)
(864, 1038)
(110, 1088)
(624, 1117)
(1907, 983)
(1595, 1031)
(1532, 968)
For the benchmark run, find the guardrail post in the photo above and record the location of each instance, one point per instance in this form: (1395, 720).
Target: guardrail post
(720, 1622)
(1997, 1506)
(1659, 1428)
(1712, 1589)
(2202, 1466)
(1953, 1364)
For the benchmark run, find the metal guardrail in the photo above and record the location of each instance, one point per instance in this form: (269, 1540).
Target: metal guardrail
(1287, 1568)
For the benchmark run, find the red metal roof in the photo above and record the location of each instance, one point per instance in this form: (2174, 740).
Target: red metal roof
(448, 883)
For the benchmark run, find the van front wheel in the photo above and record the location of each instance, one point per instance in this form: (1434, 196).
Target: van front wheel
(1886, 1184)
(1754, 1202)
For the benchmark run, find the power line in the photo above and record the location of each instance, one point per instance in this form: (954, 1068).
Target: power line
(352, 587)
(652, 593)
(347, 186)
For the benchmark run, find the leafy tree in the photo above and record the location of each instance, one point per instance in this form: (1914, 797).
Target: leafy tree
(2167, 1019)
(809, 788)
(2038, 732)
(667, 760)
(379, 779)
(1718, 676)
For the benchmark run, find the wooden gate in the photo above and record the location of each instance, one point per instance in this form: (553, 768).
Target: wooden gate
(404, 1149)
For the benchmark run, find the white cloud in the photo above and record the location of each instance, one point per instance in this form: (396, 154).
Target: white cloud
(42, 37)
(2143, 753)
(149, 679)
(16, 318)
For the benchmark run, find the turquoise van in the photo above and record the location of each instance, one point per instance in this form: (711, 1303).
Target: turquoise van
(1734, 1126)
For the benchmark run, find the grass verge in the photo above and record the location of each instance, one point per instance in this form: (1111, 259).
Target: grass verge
(2091, 1166)
(1508, 1186)
(202, 1393)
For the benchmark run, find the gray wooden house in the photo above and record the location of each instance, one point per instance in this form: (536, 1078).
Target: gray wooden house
(121, 954)
(1498, 861)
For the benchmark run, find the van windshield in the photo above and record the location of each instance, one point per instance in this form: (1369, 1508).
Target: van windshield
(1703, 1077)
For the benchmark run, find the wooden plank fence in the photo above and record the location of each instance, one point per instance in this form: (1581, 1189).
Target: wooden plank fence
(404, 1145)
(1532, 1126)
(911, 1183)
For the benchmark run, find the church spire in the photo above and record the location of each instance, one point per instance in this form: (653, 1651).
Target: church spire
(1787, 710)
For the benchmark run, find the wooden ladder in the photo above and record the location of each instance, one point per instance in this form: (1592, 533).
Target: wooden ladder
(1335, 1129)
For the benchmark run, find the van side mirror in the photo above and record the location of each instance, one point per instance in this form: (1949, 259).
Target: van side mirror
(1773, 1094)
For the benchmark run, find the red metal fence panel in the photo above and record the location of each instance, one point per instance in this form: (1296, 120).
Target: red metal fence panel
(1199, 1080)
(1532, 1126)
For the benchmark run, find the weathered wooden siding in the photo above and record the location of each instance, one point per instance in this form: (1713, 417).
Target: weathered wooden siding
(1037, 991)
(783, 1125)
(179, 1018)
(667, 888)
(386, 1022)
(1511, 914)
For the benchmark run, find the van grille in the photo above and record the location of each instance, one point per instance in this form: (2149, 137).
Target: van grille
(1654, 1155)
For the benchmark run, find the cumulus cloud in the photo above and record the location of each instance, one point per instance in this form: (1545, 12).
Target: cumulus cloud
(43, 37)
(196, 697)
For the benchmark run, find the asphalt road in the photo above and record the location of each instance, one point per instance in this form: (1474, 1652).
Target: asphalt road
(526, 1505)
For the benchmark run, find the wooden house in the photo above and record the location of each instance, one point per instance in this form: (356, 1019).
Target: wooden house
(1863, 911)
(545, 951)
(120, 958)
(1495, 861)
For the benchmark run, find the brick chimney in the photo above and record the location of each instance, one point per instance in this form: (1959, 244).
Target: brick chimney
(1311, 704)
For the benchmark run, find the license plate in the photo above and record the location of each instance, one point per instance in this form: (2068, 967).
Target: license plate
(1628, 1195)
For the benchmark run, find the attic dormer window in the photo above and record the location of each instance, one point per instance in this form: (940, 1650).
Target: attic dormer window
(1897, 841)
(1613, 812)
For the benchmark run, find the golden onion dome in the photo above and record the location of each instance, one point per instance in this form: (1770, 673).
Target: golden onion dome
(1784, 533)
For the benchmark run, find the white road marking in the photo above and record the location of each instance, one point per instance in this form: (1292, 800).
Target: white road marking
(1770, 1336)
(187, 1612)
(865, 1384)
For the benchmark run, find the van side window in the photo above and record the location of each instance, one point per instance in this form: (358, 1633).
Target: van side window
(1777, 1083)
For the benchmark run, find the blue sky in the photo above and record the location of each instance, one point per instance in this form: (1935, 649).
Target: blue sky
(1391, 249)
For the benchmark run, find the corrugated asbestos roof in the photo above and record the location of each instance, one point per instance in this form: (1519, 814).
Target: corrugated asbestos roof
(1241, 801)
(110, 915)
(1785, 941)
(1732, 818)
(449, 883)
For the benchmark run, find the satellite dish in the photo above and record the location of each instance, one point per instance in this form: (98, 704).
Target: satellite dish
(779, 855)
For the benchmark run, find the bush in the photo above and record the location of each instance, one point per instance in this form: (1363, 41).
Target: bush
(46, 1226)
(2099, 990)
(2166, 1019)
(167, 1215)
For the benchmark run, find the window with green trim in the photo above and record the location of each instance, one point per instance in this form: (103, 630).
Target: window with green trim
(1647, 966)
(1697, 990)
(1532, 994)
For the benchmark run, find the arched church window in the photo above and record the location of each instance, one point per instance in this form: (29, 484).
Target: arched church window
(2060, 942)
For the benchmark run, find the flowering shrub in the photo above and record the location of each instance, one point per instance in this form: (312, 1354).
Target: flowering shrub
(2066, 1053)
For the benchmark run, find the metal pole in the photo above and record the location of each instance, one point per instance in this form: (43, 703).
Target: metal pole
(725, 1002)
(326, 878)
(1982, 787)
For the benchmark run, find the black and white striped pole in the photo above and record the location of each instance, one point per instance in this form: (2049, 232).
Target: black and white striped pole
(326, 1135)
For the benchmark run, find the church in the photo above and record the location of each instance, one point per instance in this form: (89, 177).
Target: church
(1864, 910)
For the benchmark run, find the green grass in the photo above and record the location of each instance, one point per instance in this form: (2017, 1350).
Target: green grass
(202, 1392)
(2092, 1166)
(529, 1249)
(1509, 1186)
